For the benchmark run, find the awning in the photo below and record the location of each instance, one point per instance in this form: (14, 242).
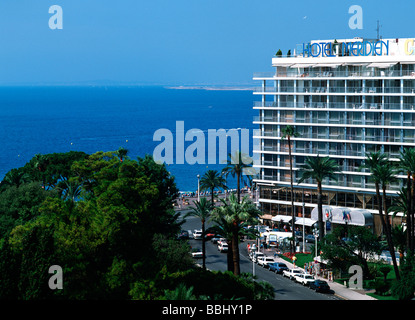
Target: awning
(302, 65)
(305, 221)
(281, 218)
(341, 215)
(381, 65)
(356, 64)
(266, 217)
(329, 65)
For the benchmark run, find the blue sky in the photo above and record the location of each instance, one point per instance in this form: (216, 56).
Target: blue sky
(174, 42)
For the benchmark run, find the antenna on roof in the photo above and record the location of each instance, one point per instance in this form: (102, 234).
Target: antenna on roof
(378, 31)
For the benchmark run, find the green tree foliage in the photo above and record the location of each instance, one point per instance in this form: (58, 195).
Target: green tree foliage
(100, 227)
(19, 205)
(359, 246)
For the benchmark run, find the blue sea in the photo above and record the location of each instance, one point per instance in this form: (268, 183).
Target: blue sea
(36, 119)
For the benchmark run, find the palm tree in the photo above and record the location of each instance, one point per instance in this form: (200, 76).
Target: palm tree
(386, 174)
(16, 177)
(289, 131)
(121, 153)
(234, 214)
(319, 168)
(212, 180)
(237, 165)
(201, 210)
(382, 173)
(407, 164)
(223, 229)
(372, 161)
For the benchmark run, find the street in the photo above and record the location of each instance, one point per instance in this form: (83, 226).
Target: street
(284, 289)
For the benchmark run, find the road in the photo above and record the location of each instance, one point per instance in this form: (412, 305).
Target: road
(284, 289)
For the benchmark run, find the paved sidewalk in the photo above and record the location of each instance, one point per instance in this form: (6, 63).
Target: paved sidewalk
(339, 290)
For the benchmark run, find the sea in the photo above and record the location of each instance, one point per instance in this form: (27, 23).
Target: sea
(53, 119)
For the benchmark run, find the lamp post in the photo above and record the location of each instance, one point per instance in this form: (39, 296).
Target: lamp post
(198, 187)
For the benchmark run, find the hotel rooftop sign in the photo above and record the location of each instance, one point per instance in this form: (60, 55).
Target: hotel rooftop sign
(354, 48)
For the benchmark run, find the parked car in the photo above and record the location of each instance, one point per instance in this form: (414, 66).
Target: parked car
(197, 253)
(183, 235)
(319, 286)
(215, 239)
(291, 273)
(255, 255)
(197, 234)
(310, 238)
(222, 246)
(304, 278)
(265, 261)
(277, 267)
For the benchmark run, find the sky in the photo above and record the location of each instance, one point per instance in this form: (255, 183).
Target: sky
(174, 42)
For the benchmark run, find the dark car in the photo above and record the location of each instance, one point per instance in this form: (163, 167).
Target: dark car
(183, 235)
(310, 238)
(277, 267)
(320, 286)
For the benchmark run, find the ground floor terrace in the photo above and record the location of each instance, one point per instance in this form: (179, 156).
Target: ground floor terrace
(339, 207)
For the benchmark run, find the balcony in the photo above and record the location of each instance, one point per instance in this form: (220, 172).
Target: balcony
(296, 73)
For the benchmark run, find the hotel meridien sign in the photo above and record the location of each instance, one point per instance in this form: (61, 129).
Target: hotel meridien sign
(357, 48)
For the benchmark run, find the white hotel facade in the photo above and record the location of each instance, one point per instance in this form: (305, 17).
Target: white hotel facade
(345, 98)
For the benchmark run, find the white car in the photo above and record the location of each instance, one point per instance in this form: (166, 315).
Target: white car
(304, 278)
(197, 253)
(256, 255)
(291, 273)
(197, 234)
(264, 261)
(222, 246)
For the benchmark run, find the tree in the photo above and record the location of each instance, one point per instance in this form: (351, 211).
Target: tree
(318, 168)
(15, 177)
(361, 245)
(212, 180)
(407, 164)
(289, 131)
(382, 173)
(202, 210)
(234, 214)
(121, 153)
(239, 164)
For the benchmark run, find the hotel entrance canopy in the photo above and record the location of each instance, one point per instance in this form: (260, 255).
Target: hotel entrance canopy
(281, 218)
(340, 215)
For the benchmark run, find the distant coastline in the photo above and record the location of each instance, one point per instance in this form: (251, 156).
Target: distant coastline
(223, 88)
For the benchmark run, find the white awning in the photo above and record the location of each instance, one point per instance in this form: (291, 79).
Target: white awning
(305, 221)
(381, 65)
(339, 215)
(356, 64)
(281, 218)
(302, 65)
(283, 65)
(329, 65)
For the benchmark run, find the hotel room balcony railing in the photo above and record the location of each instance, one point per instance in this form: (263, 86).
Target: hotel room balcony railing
(337, 89)
(294, 73)
(335, 105)
(333, 121)
(314, 150)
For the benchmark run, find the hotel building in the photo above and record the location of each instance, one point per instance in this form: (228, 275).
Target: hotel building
(345, 98)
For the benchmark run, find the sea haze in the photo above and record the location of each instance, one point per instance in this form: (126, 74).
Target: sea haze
(46, 120)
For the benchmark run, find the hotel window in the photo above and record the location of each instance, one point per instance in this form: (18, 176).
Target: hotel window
(336, 133)
(409, 136)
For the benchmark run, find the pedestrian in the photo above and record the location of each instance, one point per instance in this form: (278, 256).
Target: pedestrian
(248, 247)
